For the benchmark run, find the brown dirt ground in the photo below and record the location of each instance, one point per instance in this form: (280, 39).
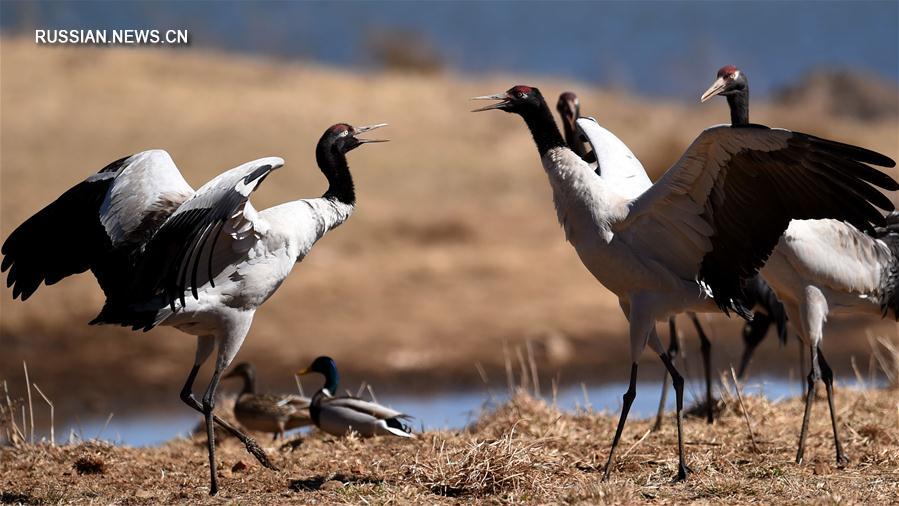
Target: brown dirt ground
(454, 248)
(526, 452)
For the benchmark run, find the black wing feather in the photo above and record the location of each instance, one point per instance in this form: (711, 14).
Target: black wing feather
(62, 239)
(811, 178)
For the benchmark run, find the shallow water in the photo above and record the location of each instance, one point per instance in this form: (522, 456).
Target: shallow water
(449, 410)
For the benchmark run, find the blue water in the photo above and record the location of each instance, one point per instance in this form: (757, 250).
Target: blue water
(656, 48)
(450, 410)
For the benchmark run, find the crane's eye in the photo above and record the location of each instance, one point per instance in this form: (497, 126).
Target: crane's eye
(522, 95)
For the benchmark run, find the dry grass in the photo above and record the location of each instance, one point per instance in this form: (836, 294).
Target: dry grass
(524, 452)
(454, 240)
(505, 465)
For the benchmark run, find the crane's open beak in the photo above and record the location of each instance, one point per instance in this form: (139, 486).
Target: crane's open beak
(369, 128)
(504, 98)
(716, 88)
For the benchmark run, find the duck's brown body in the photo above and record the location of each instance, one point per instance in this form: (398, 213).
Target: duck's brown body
(272, 413)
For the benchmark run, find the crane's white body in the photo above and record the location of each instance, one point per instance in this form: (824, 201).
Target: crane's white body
(818, 267)
(214, 258)
(282, 237)
(588, 209)
(821, 267)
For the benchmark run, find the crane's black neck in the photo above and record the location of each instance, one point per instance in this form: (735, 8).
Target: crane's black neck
(739, 107)
(572, 140)
(543, 128)
(334, 166)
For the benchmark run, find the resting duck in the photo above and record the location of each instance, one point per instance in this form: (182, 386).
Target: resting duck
(340, 415)
(273, 413)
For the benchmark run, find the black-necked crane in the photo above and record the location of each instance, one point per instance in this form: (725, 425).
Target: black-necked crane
(631, 175)
(823, 267)
(569, 109)
(272, 413)
(691, 240)
(341, 415)
(201, 261)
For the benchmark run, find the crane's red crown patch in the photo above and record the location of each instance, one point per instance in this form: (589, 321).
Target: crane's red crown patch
(727, 70)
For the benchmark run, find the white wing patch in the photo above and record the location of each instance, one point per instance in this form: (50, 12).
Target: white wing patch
(190, 237)
(617, 164)
(148, 183)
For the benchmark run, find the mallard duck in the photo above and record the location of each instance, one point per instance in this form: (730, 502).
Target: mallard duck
(340, 415)
(271, 413)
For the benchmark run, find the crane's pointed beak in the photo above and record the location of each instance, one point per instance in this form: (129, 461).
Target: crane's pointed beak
(716, 88)
(369, 128)
(504, 100)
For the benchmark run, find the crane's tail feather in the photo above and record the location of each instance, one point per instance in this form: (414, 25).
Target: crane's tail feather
(138, 317)
(889, 234)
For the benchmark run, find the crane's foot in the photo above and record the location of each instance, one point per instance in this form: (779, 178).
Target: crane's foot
(683, 470)
(605, 475)
(214, 488)
(259, 453)
(842, 460)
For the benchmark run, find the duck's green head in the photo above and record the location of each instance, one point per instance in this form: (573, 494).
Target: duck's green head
(327, 368)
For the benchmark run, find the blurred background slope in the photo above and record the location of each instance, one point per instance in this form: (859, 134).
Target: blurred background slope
(454, 247)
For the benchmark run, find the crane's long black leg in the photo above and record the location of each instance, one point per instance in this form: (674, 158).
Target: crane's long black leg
(753, 334)
(208, 406)
(673, 351)
(628, 398)
(706, 348)
(827, 377)
(804, 384)
(813, 376)
(252, 447)
(682, 469)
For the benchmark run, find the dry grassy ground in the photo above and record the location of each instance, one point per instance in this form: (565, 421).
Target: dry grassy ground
(453, 249)
(526, 451)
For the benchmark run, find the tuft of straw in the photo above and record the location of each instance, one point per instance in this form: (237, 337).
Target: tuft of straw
(52, 416)
(505, 465)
